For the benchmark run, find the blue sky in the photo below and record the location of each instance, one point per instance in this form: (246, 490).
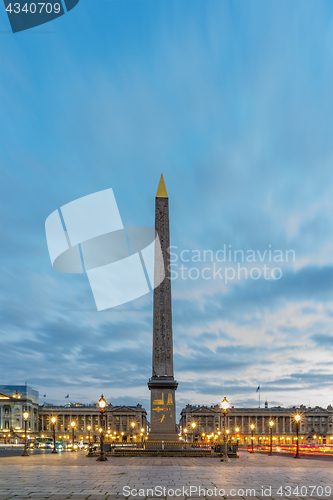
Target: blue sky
(232, 101)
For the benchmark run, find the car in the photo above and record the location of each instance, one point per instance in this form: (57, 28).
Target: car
(34, 443)
(48, 444)
(79, 444)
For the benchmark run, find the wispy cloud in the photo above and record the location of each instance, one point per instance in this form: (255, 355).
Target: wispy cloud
(233, 102)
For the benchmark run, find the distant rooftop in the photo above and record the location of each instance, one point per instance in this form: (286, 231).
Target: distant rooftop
(86, 405)
(262, 408)
(20, 391)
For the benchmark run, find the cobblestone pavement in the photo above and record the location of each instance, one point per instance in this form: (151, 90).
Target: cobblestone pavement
(73, 476)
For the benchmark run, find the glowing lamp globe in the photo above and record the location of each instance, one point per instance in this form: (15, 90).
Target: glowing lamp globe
(102, 403)
(224, 403)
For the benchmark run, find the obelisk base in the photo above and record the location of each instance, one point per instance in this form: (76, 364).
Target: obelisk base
(163, 409)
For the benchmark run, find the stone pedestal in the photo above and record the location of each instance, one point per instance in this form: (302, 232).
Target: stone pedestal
(163, 409)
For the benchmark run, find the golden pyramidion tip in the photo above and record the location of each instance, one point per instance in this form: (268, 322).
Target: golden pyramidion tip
(161, 190)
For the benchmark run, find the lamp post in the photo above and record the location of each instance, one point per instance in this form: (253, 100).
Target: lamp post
(53, 420)
(142, 434)
(225, 405)
(73, 434)
(252, 436)
(25, 417)
(133, 425)
(185, 432)
(90, 452)
(271, 424)
(102, 404)
(237, 431)
(193, 425)
(297, 419)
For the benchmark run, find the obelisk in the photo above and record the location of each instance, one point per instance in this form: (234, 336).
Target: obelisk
(162, 383)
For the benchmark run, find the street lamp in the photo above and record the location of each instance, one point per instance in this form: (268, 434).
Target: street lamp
(102, 405)
(90, 451)
(185, 431)
(297, 419)
(271, 424)
(252, 437)
(237, 431)
(133, 425)
(225, 405)
(73, 434)
(193, 425)
(25, 417)
(54, 420)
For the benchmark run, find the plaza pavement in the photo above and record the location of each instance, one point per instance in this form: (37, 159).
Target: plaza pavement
(73, 476)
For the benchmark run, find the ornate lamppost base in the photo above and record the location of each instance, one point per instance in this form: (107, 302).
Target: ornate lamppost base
(25, 454)
(101, 458)
(54, 451)
(225, 459)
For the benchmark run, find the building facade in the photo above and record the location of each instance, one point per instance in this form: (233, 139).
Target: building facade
(14, 400)
(130, 424)
(206, 423)
(121, 423)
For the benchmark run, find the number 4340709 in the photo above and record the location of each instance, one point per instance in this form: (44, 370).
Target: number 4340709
(33, 8)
